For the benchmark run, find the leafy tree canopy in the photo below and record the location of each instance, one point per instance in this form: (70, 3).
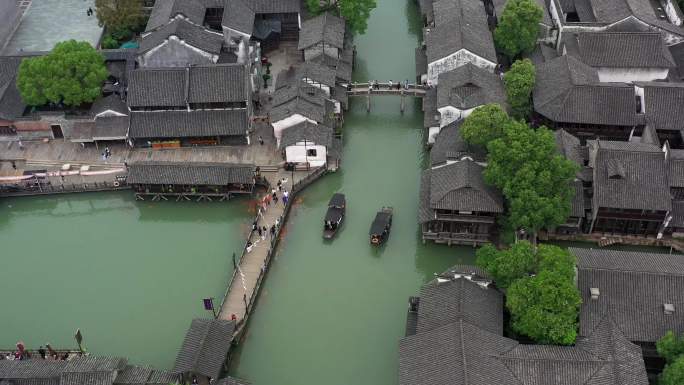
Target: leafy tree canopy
(519, 83)
(533, 177)
(522, 260)
(544, 307)
(518, 27)
(119, 15)
(484, 124)
(673, 374)
(71, 74)
(670, 347)
(355, 12)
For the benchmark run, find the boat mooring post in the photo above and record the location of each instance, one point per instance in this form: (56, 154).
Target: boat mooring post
(368, 101)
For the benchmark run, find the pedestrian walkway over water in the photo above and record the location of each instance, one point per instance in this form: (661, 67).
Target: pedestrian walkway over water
(252, 265)
(396, 89)
(391, 89)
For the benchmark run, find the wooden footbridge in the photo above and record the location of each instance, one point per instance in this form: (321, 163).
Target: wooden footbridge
(392, 89)
(251, 266)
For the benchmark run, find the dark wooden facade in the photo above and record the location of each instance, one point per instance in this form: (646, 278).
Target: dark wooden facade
(454, 228)
(628, 222)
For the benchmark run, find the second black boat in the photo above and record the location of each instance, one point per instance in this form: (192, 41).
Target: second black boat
(334, 216)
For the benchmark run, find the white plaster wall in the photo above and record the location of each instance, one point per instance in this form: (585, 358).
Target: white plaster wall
(233, 37)
(455, 60)
(176, 53)
(629, 75)
(432, 133)
(281, 125)
(451, 114)
(297, 153)
(109, 113)
(672, 13)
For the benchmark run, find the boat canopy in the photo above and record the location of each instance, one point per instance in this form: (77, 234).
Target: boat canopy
(334, 215)
(338, 200)
(380, 223)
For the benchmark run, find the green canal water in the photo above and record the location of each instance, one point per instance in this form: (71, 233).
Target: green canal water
(333, 312)
(131, 275)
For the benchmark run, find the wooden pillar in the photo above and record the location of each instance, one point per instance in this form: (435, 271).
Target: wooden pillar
(403, 101)
(368, 101)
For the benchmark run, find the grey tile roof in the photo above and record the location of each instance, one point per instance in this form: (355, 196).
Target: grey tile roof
(31, 369)
(11, 105)
(325, 28)
(205, 347)
(664, 105)
(677, 221)
(182, 124)
(611, 11)
(442, 303)
(312, 133)
(173, 87)
(111, 127)
(94, 363)
(157, 87)
(675, 172)
(191, 34)
(305, 100)
(133, 374)
(342, 66)
(461, 353)
(577, 205)
(567, 90)
(162, 377)
(211, 174)
(165, 10)
(421, 62)
(469, 86)
(87, 378)
(569, 146)
(218, 83)
(460, 186)
(459, 24)
(316, 72)
(624, 50)
(449, 145)
(633, 288)
(112, 102)
(431, 116)
(238, 16)
(677, 51)
(629, 176)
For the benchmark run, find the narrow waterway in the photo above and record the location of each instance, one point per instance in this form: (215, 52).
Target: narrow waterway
(131, 275)
(333, 312)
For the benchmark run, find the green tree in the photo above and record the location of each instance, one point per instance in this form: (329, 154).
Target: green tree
(670, 347)
(119, 15)
(673, 374)
(508, 265)
(544, 307)
(519, 83)
(518, 27)
(484, 124)
(71, 74)
(534, 179)
(355, 12)
(522, 260)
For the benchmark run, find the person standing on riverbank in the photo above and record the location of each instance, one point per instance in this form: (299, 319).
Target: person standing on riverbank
(285, 197)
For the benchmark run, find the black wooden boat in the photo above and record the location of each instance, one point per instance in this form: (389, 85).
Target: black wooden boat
(334, 216)
(380, 228)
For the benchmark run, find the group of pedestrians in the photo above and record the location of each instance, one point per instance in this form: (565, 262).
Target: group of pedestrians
(263, 230)
(106, 154)
(374, 85)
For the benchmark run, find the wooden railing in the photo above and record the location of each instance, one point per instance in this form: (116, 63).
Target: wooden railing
(46, 189)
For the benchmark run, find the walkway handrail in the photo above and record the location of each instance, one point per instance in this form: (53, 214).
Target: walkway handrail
(412, 86)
